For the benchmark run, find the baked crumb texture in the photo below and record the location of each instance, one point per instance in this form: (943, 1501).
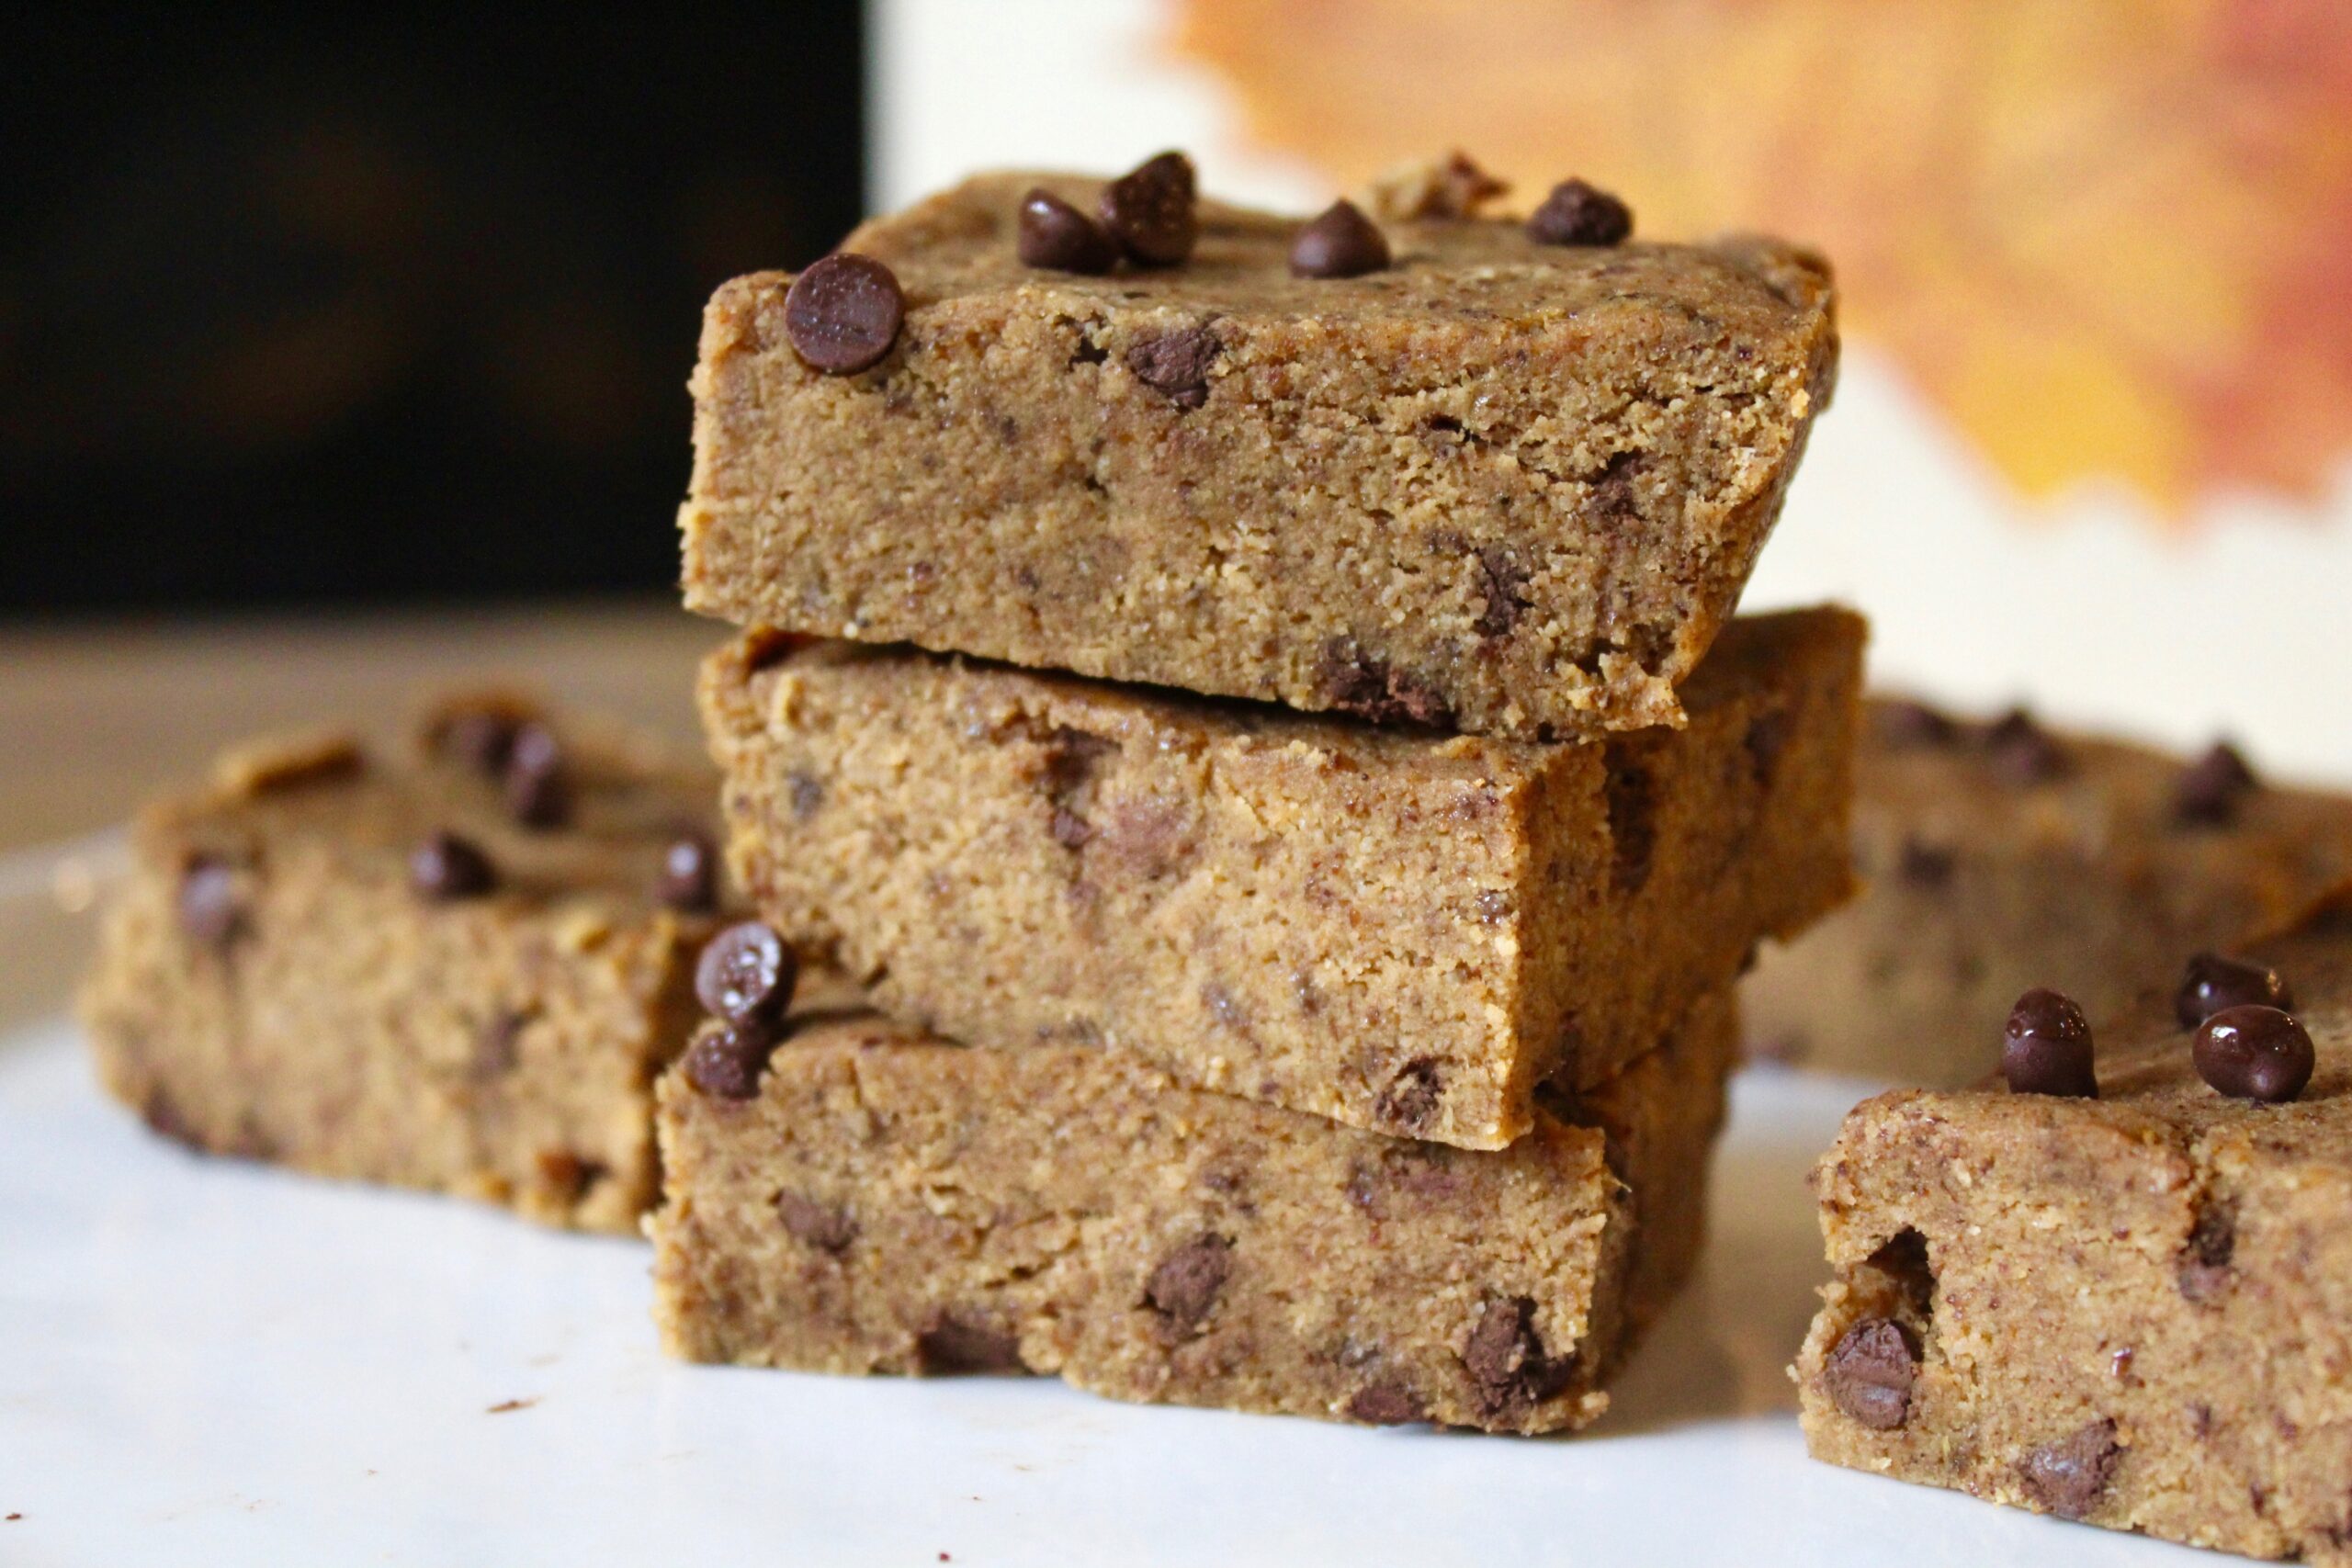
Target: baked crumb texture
(285, 978)
(1396, 928)
(1510, 486)
(888, 1203)
(2134, 1311)
(2004, 856)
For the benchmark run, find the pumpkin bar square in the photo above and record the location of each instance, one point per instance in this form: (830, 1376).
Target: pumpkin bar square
(1511, 486)
(456, 966)
(2001, 855)
(2135, 1309)
(885, 1201)
(1399, 929)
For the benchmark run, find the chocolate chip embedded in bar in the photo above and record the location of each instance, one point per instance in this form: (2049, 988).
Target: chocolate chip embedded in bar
(885, 1202)
(1393, 927)
(405, 970)
(2128, 1310)
(1998, 857)
(1520, 476)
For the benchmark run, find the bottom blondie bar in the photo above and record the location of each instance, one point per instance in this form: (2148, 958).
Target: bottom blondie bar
(885, 1201)
(459, 971)
(2133, 1309)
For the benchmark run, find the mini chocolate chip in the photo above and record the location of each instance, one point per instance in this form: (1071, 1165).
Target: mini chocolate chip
(2203, 1272)
(1184, 1287)
(2213, 982)
(1070, 830)
(1149, 210)
(688, 880)
(446, 867)
(1411, 1098)
(1913, 724)
(747, 972)
(806, 793)
(843, 313)
(537, 781)
(1502, 583)
(726, 1060)
(2069, 1476)
(1386, 1404)
(2047, 1047)
(1924, 865)
(824, 1226)
(1869, 1373)
(952, 1346)
(479, 738)
(1342, 242)
(1355, 681)
(1506, 1359)
(2209, 789)
(2022, 751)
(209, 909)
(498, 1045)
(2254, 1052)
(1058, 237)
(1176, 365)
(1577, 214)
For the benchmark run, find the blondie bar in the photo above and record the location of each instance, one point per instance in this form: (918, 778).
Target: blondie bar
(458, 970)
(2006, 855)
(2133, 1309)
(879, 1200)
(1397, 930)
(1503, 484)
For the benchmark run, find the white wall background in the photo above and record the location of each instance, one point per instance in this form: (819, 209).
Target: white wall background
(2242, 625)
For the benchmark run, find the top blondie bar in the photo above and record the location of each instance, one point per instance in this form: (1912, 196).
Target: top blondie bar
(1495, 481)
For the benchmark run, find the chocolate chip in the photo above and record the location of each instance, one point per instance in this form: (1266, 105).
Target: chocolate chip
(1058, 237)
(2047, 1047)
(2069, 1476)
(1353, 681)
(210, 910)
(2213, 982)
(843, 313)
(2022, 751)
(498, 1046)
(1340, 242)
(446, 867)
(1924, 865)
(952, 1346)
(1767, 737)
(1909, 724)
(1069, 830)
(1184, 1287)
(1386, 1404)
(1176, 365)
(1502, 582)
(569, 1174)
(479, 738)
(747, 973)
(1576, 214)
(1411, 1098)
(1149, 210)
(1505, 1359)
(537, 781)
(2203, 1272)
(824, 1226)
(1630, 793)
(2209, 789)
(726, 1060)
(688, 879)
(1869, 1373)
(2254, 1052)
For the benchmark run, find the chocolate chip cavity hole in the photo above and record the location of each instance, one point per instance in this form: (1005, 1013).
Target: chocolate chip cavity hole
(1871, 1372)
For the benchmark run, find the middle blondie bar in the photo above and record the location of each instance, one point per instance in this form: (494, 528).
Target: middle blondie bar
(1402, 931)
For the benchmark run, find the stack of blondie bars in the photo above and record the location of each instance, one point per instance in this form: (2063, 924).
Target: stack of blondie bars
(1249, 800)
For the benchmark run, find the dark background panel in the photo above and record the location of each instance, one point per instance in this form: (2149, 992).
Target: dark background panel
(314, 308)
